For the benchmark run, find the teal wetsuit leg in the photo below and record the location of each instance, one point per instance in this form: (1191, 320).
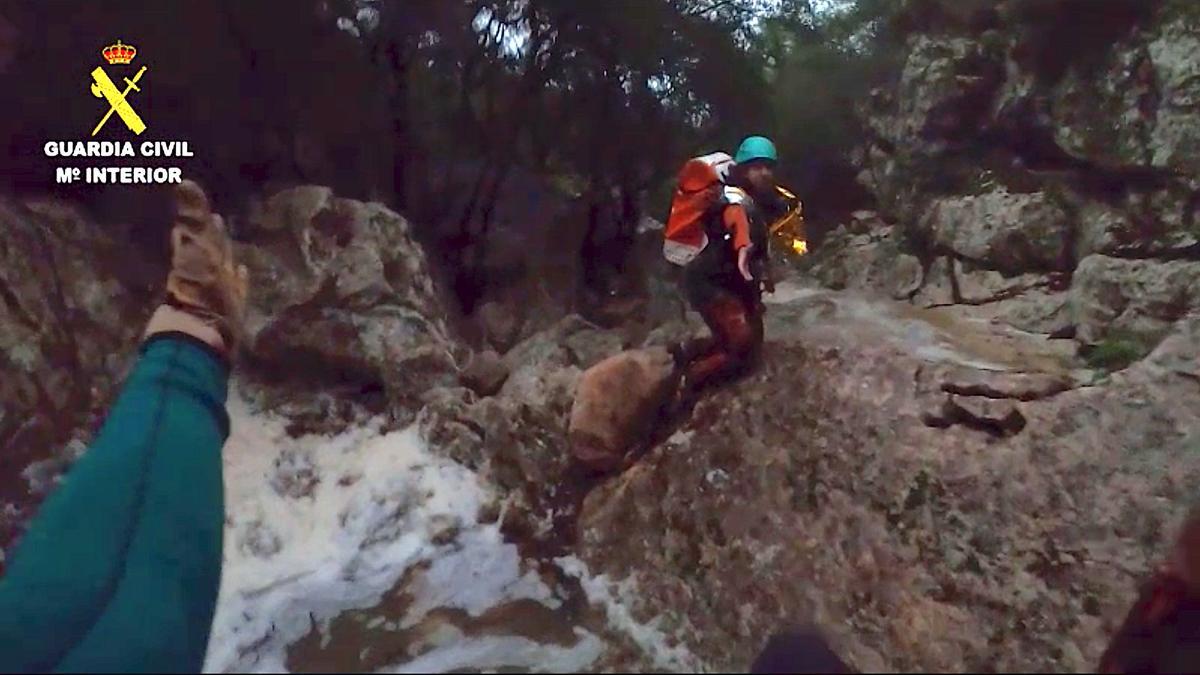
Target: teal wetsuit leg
(120, 569)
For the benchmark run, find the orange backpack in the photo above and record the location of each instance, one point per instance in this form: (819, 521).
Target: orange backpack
(699, 189)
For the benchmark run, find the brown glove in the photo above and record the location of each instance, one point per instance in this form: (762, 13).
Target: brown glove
(206, 290)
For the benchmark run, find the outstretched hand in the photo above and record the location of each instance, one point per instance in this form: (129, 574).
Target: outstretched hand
(744, 262)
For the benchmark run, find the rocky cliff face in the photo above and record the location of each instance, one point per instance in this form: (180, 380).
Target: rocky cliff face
(1038, 159)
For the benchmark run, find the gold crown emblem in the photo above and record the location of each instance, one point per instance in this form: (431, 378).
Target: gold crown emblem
(119, 53)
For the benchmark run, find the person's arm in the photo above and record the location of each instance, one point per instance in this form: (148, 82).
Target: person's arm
(119, 571)
(737, 222)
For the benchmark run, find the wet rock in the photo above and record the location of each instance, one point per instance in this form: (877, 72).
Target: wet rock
(1179, 352)
(589, 347)
(865, 222)
(1000, 417)
(293, 208)
(941, 77)
(1135, 299)
(344, 299)
(1035, 311)
(1146, 224)
(616, 402)
(674, 332)
(870, 261)
(1138, 106)
(977, 286)
(909, 276)
(1174, 51)
(485, 374)
(1005, 385)
(938, 286)
(72, 302)
(501, 325)
(1007, 232)
(1102, 229)
(1022, 159)
(821, 467)
(543, 372)
(46, 474)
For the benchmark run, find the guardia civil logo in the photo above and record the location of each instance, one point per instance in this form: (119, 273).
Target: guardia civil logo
(116, 86)
(118, 100)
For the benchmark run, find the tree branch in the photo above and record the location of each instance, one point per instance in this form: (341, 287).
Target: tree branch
(711, 8)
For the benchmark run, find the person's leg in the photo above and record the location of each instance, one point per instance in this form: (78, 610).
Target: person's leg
(736, 334)
(119, 570)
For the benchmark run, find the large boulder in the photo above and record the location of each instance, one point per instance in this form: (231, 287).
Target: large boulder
(616, 402)
(1005, 231)
(545, 367)
(945, 83)
(1174, 50)
(1131, 299)
(343, 297)
(1159, 223)
(1137, 105)
(870, 260)
(977, 286)
(1036, 310)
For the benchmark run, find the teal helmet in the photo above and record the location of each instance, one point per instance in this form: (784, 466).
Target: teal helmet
(756, 147)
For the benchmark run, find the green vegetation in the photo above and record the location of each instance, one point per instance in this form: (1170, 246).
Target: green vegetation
(1116, 352)
(437, 107)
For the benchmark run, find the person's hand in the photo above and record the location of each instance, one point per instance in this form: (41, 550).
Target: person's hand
(744, 262)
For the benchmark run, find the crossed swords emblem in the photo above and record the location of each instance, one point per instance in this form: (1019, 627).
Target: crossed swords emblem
(103, 87)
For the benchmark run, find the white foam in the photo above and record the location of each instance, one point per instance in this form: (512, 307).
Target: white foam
(616, 598)
(378, 502)
(490, 653)
(790, 291)
(371, 506)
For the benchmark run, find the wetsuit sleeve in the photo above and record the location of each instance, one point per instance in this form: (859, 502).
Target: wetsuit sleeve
(738, 223)
(120, 569)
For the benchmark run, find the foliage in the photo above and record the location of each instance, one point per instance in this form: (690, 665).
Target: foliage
(1115, 352)
(399, 100)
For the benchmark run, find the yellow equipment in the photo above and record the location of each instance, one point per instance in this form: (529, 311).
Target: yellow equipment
(790, 226)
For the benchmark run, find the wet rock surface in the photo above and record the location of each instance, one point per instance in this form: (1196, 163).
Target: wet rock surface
(1047, 189)
(70, 305)
(617, 402)
(485, 374)
(344, 300)
(817, 489)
